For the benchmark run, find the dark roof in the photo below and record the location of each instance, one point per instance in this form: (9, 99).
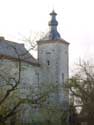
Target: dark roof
(15, 50)
(52, 34)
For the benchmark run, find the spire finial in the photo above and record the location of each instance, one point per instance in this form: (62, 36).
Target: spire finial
(53, 21)
(53, 33)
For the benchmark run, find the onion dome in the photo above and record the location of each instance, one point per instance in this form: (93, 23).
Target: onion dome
(52, 34)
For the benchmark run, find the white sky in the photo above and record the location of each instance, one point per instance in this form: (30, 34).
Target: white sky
(75, 17)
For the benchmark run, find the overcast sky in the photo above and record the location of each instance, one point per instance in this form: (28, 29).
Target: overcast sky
(75, 17)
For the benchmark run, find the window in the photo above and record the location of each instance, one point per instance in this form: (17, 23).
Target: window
(48, 56)
(62, 77)
(48, 62)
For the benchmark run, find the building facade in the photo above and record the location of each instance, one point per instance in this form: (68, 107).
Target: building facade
(51, 67)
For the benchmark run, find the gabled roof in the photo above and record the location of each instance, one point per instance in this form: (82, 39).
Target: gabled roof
(15, 50)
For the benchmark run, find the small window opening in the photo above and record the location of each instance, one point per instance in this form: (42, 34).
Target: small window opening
(48, 62)
(63, 77)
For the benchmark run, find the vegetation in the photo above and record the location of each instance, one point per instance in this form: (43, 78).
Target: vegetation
(81, 86)
(9, 102)
(15, 99)
(12, 103)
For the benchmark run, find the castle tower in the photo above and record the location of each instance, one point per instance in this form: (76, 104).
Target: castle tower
(53, 56)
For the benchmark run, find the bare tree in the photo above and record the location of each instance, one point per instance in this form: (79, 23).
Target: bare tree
(8, 87)
(10, 98)
(81, 86)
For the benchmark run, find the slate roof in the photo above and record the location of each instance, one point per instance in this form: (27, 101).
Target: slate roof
(52, 34)
(13, 50)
